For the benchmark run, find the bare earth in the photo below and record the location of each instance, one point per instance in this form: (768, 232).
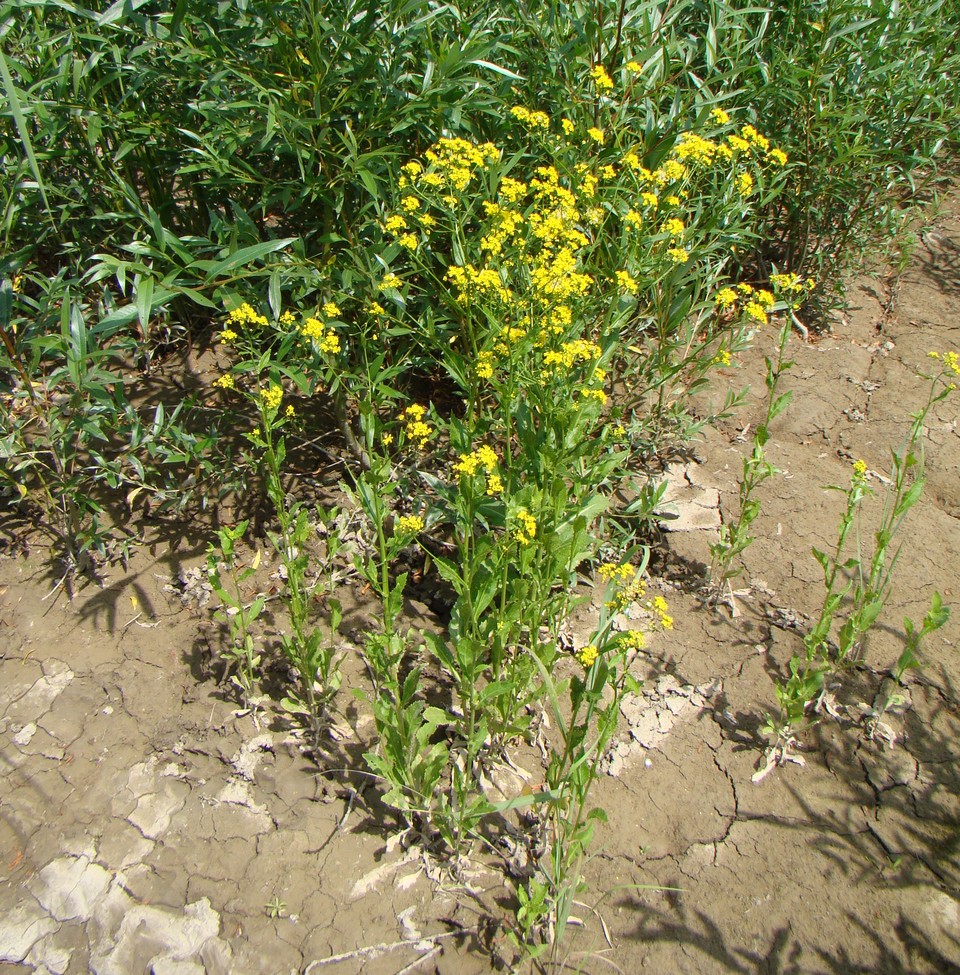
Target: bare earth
(145, 826)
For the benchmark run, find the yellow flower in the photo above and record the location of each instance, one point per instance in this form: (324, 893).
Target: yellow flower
(859, 470)
(375, 308)
(678, 255)
(290, 411)
(526, 529)
(616, 570)
(245, 315)
(272, 396)
(494, 485)
(632, 639)
(287, 318)
(659, 608)
(416, 430)
(601, 79)
(673, 227)
(228, 335)
(778, 156)
(744, 184)
(650, 199)
(634, 67)
(330, 343)
(410, 525)
(226, 381)
(726, 298)
(410, 203)
(386, 439)
(568, 126)
(596, 134)
(626, 282)
(722, 358)
(756, 311)
(587, 656)
(390, 282)
(719, 116)
(330, 310)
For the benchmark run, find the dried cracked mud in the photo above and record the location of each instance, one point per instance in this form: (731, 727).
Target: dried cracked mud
(147, 827)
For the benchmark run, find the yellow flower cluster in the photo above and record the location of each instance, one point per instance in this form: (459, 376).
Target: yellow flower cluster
(390, 282)
(632, 639)
(526, 529)
(246, 316)
(629, 590)
(226, 381)
(533, 120)
(455, 161)
(626, 282)
(619, 571)
(570, 353)
(410, 525)
(658, 606)
(601, 79)
(228, 335)
(272, 396)
(950, 360)
(505, 225)
(472, 282)
(481, 459)
(587, 656)
(860, 471)
(327, 340)
(417, 431)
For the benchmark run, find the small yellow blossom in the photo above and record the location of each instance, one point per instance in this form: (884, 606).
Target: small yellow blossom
(410, 525)
(567, 125)
(587, 656)
(634, 67)
(678, 255)
(245, 315)
(719, 116)
(290, 411)
(778, 156)
(390, 282)
(410, 203)
(272, 396)
(744, 184)
(375, 308)
(494, 485)
(726, 298)
(228, 335)
(659, 608)
(601, 79)
(859, 470)
(596, 134)
(632, 639)
(226, 381)
(673, 227)
(330, 310)
(722, 358)
(626, 282)
(526, 529)
(386, 439)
